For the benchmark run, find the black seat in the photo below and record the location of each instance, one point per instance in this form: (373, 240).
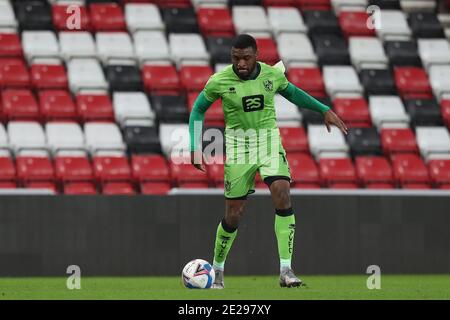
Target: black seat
(364, 141)
(331, 49)
(170, 109)
(402, 53)
(180, 20)
(425, 25)
(141, 139)
(386, 4)
(424, 112)
(245, 2)
(378, 82)
(313, 117)
(219, 48)
(124, 78)
(89, 2)
(321, 22)
(33, 15)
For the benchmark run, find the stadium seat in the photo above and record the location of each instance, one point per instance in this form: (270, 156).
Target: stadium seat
(8, 185)
(294, 139)
(173, 3)
(309, 80)
(143, 16)
(378, 82)
(48, 76)
(337, 171)
(250, 19)
(326, 144)
(364, 141)
(215, 22)
(439, 171)
(19, 104)
(341, 5)
(107, 17)
(341, 79)
(13, 73)
(118, 188)
(321, 22)
(132, 106)
(103, 137)
(180, 20)
(285, 19)
(155, 188)
(304, 171)
(174, 138)
(402, 53)
(151, 46)
(219, 48)
(244, 2)
(373, 171)
(412, 82)
(170, 108)
(40, 44)
(354, 23)
(63, 137)
(79, 188)
(331, 49)
(114, 45)
(193, 185)
(187, 48)
(386, 4)
(445, 110)
(194, 78)
(296, 48)
(409, 169)
(4, 143)
(141, 139)
(183, 171)
(62, 17)
(388, 111)
(287, 113)
(367, 52)
(77, 45)
(439, 76)
(7, 16)
(313, 4)
(434, 51)
(400, 140)
(124, 78)
(70, 169)
(10, 45)
(33, 15)
(278, 3)
(41, 185)
(86, 74)
(214, 116)
(433, 142)
(7, 169)
(394, 25)
(267, 50)
(94, 107)
(34, 169)
(425, 25)
(109, 168)
(215, 171)
(149, 167)
(423, 112)
(353, 111)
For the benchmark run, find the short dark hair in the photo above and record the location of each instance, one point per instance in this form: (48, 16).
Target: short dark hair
(243, 41)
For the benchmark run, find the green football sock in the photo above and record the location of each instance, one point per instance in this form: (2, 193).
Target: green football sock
(224, 239)
(285, 230)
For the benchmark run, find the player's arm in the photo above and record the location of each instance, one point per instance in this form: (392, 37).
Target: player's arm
(304, 100)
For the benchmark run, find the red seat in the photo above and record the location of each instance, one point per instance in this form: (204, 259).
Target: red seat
(354, 23)
(159, 80)
(7, 170)
(214, 116)
(40, 185)
(267, 50)
(308, 79)
(63, 21)
(313, 4)
(294, 139)
(193, 185)
(303, 169)
(416, 186)
(333, 171)
(445, 110)
(379, 186)
(215, 171)
(398, 140)
(216, 22)
(278, 3)
(184, 171)
(48, 76)
(79, 188)
(149, 168)
(412, 83)
(57, 105)
(439, 170)
(107, 17)
(343, 185)
(118, 188)
(409, 169)
(19, 104)
(155, 188)
(94, 107)
(73, 169)
(353, 111)
(13, 73)
(33, 169)
(194, 78)
(305, 186)
(108, 169)
(373, 170)
(10, 45)
(8, 185)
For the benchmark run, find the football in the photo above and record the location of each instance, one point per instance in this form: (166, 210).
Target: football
(198, 274)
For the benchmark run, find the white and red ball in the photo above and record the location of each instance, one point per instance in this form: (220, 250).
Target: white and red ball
(198, 274)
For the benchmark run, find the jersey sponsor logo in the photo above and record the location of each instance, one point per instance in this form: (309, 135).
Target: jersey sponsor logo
(268, 85)
(253, 103)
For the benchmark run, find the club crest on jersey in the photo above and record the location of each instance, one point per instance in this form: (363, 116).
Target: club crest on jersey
(268, 85)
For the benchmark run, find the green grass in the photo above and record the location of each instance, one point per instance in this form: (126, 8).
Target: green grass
(249, 287)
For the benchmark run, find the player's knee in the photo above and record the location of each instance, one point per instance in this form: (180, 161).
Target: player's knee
(281, 197)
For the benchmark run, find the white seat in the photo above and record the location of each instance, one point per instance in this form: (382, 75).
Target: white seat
(296, 49)
(285, 20)
(433, 142)
(439, 80)
(394, 25)
(7, 17)
(4, 144)
(321, 142)
(103, 137)
(63, 136)
(286, 111)
(174, 139)
(209, 3)
(434, 51)
(40, 44)
(250, 19)
(132, 106)
(114, 45)
(388, 112)
(188, 47)
(418, 5)
(367, 52)
(151, 46)
(140, 16)
(77, 45)
(341, 80)
(348, 5)
(85, 74)
(26, 135)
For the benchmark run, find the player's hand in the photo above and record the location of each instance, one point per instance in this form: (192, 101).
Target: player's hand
(197, 160)
(331, 118)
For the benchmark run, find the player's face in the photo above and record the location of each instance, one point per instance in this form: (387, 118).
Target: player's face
(244, 60)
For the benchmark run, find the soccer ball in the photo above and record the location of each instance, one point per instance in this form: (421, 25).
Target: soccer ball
(198, 274)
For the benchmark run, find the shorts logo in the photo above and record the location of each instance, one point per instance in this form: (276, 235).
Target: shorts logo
(268, 85)
(227, 186)
(253, 103)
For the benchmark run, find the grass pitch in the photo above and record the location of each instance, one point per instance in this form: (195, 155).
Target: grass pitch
(249, 287)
